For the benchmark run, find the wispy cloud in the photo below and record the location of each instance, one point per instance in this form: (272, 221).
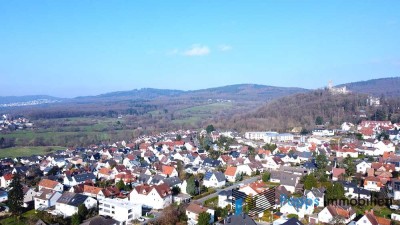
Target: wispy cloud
(224, 48)
(197, 50)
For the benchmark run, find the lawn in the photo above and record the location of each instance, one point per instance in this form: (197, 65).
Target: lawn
(27, 218)
(28, 151)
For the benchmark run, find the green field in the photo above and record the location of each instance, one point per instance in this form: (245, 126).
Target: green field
(28, 151)
(193, 115)
(205, 109)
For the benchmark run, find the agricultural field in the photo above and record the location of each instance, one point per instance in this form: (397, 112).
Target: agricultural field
(28, 151)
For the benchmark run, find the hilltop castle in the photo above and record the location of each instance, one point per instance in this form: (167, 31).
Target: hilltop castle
(337, 90)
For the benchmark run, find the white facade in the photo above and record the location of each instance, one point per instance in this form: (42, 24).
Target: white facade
(48, 201)
(301, 211)
(151, 199)
(69, 210)
(121, 210)
(363, 167)
(213, 182)
(323, 132)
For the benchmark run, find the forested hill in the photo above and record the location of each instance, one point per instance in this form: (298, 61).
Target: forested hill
(302, 110)
(388, 87)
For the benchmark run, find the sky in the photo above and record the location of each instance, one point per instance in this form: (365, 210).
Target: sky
(81, 47)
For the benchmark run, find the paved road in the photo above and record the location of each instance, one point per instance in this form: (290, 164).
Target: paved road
(247, 181)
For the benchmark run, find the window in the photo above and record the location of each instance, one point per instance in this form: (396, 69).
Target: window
(129, 211)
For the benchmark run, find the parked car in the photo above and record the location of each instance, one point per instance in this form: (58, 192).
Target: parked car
(395, 207)
(141, 219)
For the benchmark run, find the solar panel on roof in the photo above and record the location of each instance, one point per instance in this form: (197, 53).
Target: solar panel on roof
(208, 175)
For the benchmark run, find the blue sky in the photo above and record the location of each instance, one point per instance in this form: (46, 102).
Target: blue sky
(81, 47)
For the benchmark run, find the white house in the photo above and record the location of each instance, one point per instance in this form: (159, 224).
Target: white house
(362, 167)
(369, 218)
(323, 133)
(316, 195)
(245, 169)
(193, 211)
(46, 198)
(214, 179)
(224, 198)
(120, 210)
(301, 210)
(384, 146)
(5, 180)
(79, 179)
(51, 184)
(94, 192)
(68, 203)
(155, 197)
(332, 212)
(29, 194)
(230, 173)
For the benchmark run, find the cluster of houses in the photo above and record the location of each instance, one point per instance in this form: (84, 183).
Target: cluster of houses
(151, 167)
(7, 122)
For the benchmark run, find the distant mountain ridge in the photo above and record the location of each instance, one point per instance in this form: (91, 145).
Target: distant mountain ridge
(231, 92)
(26, 98)
(389, 87)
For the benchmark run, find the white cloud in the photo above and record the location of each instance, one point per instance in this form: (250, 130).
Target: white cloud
(197, 50)
(225, 48)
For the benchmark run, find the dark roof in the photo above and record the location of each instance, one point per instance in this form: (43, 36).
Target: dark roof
(172, 181)
(84, 177)
(239, 220)
(292, 221)
(211, 162)
(73, 199)
(219, 175)
(99, 220)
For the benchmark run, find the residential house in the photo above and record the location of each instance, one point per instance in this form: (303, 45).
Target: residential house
(225, 198)
(120, 210)
(230, 173)
(94, 192)
(79, 179)
(50, 184)
(332, 212)
(316, 195)
(338, 173)
(46, 198)
(29, 194)
(155, 197)
(363, 167)
(244, 169)
(6, 179)
(68, 203)
(370, 218)
(214, 179)
(301, 209)
(193, 211)
(373, 184)
(169, 171)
